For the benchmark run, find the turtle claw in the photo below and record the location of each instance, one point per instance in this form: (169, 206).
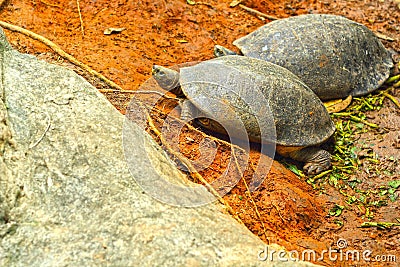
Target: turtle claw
(317, 160)
(318, 163)
(313, 168)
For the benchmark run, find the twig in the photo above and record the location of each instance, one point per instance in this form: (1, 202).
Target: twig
(59, 51)
(48, 4)
(189, 166)
(380, 225)
(258, 13)
(393, 78)
(43, 134)
(394, 100)
(277, 210)
(193, 3)
(190, 127)
(384, 37)
(322, 174)
(136, 92)
(155, 92)
(249, 195)
(80, 17)
(116, 91)
(354, 118)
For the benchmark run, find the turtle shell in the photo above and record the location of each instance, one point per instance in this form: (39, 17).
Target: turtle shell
(272, 103)
(333, 55)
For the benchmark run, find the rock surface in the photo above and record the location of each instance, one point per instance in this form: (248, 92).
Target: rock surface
(67, 197)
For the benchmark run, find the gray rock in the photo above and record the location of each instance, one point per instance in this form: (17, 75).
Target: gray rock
(67, 197)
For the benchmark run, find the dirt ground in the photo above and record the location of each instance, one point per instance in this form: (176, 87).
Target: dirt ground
(286, 209)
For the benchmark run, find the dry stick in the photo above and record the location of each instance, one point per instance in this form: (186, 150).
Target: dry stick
(48, 4)
(80, 17)
(249, 194)
(393, 78)
(152, 92)
(190, 127)
(63, 54)
(277, 210)
(116, 90)
(258, 13)
(190, 167)
(203, 3)
(394, 100)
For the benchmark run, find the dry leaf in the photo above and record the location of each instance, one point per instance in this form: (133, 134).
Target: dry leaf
(109, 31)
(235, 3)
(337, 105)
(384, 37)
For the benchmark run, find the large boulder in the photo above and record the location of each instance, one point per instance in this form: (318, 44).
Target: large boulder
(67, 197)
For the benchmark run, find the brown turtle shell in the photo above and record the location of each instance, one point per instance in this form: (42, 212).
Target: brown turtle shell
(273, 104)
(334, 56)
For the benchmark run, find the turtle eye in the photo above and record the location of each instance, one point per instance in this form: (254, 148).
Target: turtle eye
(159, 73)
(156, 70)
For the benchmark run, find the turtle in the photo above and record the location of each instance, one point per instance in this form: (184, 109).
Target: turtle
(336, 57)
(263, 95)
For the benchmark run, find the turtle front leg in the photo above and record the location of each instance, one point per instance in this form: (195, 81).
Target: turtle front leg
(317, 160)
(187, 110)
(220, 51)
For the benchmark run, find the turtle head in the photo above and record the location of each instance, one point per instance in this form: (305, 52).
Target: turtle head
(210, 124)
(167, 79)
(220, 51)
